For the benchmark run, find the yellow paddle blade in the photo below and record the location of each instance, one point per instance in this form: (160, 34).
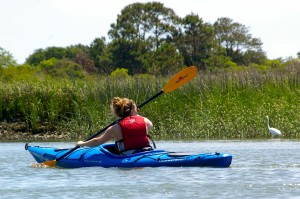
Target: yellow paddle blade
(180, 79)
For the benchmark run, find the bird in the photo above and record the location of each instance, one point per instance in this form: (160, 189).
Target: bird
(273, 131)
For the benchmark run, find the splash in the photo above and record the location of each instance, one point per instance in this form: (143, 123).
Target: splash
(47, 164)
(40, 165)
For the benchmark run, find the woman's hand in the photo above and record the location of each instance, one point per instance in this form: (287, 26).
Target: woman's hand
(79, 144)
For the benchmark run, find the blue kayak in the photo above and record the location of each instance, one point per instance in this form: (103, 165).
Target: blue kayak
(106, 156)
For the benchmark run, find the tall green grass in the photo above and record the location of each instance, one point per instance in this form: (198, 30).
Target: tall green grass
(221, 105)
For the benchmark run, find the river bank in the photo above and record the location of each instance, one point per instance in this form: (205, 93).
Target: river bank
(19, 132)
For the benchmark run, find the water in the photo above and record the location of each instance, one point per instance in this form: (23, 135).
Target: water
(260, 169)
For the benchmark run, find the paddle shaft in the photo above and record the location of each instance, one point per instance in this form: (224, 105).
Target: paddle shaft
(114, 122)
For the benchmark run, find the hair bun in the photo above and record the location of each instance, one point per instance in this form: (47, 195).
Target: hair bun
(122, 107)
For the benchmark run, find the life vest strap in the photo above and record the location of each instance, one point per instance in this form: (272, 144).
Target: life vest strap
(120, 145)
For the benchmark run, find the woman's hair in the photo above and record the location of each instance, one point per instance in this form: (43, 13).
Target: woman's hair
(122, 106)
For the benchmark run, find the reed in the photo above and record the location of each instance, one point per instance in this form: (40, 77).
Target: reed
(221, 105)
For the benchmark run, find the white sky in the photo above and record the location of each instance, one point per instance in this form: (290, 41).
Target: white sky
(27, 25)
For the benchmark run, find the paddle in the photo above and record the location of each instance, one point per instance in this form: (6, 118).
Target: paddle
(175, 82)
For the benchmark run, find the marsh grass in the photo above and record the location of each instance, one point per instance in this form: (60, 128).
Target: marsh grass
(224, 105)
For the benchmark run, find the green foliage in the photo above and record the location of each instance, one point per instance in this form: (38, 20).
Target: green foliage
(120, 73)
(250, 56)
(58, 53)
(128, 54)
(6, 58)
(47, 64)
(276, 63)
(238, 42)
(291, 62)
(100, 54)
(220, 62)
(196, 40)
(35, 58)
(85, 62)
(163, 61)
(140, 39)
(231, 104)
(61, 68)
(260, 68)
(70, 52)
(17, 73)
(41, 55)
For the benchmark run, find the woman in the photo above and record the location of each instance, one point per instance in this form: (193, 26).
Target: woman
(130, 134)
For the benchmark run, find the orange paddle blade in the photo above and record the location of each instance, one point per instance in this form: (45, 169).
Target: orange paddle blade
(47, 164)
(180, 79)
(50, 163)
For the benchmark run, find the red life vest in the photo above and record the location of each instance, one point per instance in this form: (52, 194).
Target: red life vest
(134, 132)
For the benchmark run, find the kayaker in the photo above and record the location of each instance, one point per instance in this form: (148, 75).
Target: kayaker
(130, 134)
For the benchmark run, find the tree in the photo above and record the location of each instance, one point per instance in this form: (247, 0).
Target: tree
(84, 60)
(63, 68)
(160, 22)
(164, 60)
(42, 55)
(129, 25)
(139, 30)
(70, 52)
(56, 52)
(128, 54)
(150, 22)
(195, 40)
(237, 41)
(120, 73)
(6, 58)
(35, 58)
(100, 54)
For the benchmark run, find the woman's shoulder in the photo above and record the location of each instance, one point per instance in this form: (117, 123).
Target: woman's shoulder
(148, 122)
(115, 131)
(115, 126)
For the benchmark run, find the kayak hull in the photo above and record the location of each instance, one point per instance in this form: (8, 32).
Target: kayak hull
(106, 156)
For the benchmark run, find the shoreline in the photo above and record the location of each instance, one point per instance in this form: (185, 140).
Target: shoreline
(19, 132)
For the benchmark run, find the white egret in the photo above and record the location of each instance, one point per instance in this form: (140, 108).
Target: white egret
(273, 131)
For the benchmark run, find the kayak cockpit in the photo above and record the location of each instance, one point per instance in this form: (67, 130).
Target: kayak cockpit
(111, 150)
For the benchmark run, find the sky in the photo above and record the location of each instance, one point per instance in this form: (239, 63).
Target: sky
(28, 25)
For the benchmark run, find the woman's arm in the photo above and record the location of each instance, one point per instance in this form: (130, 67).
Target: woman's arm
(149, 124)
(108, 135)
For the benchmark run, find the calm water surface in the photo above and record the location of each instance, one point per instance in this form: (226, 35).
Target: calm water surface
(260, 169)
